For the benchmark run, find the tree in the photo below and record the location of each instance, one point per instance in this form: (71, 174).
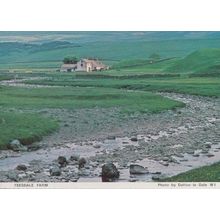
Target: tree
(154, 56)
(70, 60)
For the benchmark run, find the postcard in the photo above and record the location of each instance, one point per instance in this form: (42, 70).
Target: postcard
(109, 109)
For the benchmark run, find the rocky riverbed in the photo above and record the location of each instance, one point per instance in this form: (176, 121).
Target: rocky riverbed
(164, 144)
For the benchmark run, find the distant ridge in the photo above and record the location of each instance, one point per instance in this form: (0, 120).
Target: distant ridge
(83, 36)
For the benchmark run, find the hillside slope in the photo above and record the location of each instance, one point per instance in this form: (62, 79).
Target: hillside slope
(202, 61)
(51, 54)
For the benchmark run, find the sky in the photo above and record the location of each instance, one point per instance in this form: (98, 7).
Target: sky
(79, 37)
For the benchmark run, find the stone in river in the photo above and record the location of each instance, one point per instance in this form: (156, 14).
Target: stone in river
(62, 161)
(137, 169)
(109, 172)
(166, 159)
(21, 167)
(208, 144)
(82, 162)
(55, 171)
(210, 155)
(97, 146)
(111, 137)
(75, 158)
(204, 151)
(190, 152)
(134, 139)
(164, 163)
(16, 145)
(156, 173)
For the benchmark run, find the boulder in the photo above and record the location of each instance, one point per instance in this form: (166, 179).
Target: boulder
(134, 139)
(75, 158)
(97, 146)
(166, 159)
(109, 172)
(204, 151)
(82, 162)
(16, 145)
(55, 171)
(210, 155)
(21, 167)
(164, 163)
(156, 173)
(208, 144)
(179, 155)
(137, 169)
(111, 138)
(190, 152)
(62, 161)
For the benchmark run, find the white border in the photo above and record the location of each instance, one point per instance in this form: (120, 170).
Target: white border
(118, 15)
(112, 185)
(109, 205)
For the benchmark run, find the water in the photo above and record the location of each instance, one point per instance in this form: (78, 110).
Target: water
(92, 148)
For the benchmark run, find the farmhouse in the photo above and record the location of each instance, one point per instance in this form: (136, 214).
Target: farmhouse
(87, 65)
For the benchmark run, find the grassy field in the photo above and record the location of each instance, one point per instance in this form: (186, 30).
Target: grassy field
(25, 127)
(79, 97)
(203, 174)
(205, 86)
(5, 77)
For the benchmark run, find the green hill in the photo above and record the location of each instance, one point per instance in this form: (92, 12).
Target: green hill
(140, 66)
(204, 61)
(17, 55)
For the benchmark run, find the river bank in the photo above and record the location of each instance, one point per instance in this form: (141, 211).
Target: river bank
(167, 143)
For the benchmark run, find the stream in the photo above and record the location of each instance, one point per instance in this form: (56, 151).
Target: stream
(169, 145)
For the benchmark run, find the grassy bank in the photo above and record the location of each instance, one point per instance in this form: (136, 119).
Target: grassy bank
(205, 86)
(84, 97)
(5, 77)
(25, 127)
(204, 174)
